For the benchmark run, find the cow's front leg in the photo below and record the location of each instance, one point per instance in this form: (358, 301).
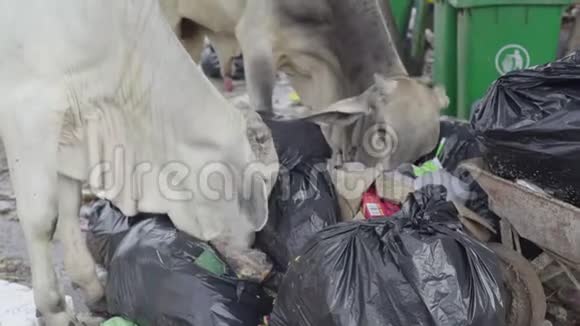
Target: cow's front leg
(78, 261)
(31, 140)
(260, 76)
(255, 41)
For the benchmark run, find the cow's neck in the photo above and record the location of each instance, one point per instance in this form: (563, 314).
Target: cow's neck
(180, 96)
(366, 45)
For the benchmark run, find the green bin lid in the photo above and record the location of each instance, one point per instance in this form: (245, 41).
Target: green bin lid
(489, 3)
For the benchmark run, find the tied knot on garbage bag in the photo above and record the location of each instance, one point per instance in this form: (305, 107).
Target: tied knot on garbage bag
(427, 208)
(415, 268)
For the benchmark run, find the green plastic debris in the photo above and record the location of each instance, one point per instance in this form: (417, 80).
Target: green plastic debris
(118, 321)
(431, 166)
(210, 261)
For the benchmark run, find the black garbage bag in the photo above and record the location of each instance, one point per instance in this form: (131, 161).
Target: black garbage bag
(107, 228)
(238, 72)
(303, 201)
(210, 64)
(161, 276)
(418, 268)
(297, 140)
(460, 143)
(528, 126)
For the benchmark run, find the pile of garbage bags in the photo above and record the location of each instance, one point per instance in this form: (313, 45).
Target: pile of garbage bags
(158, 275)
(416, 268)
(405, 262)
(528, 126)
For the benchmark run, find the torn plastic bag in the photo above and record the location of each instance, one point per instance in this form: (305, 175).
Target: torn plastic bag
(417, 268)
(528, 126)
(303, 201)
(161, 276)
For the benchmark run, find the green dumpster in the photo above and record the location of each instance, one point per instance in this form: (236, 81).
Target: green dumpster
(479, 40)
(401, 12)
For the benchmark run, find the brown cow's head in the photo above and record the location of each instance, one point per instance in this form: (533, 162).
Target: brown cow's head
(393, 122)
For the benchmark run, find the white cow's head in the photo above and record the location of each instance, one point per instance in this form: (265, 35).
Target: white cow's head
(393, 122)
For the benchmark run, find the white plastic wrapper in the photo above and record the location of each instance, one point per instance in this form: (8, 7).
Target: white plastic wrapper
(16, 305)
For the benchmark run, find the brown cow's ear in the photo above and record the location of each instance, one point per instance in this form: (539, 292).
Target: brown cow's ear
(342, 113)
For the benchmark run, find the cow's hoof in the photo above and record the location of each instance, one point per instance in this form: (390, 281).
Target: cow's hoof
(58, 319)
(89, 320)
(228, 84)
(251, 265)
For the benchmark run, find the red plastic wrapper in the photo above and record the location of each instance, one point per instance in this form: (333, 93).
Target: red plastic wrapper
(374, 206)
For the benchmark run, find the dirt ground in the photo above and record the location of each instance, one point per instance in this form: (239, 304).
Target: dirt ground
(14, 263)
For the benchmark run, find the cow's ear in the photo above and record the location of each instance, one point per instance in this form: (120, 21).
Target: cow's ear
(441, 97)
(342, 113)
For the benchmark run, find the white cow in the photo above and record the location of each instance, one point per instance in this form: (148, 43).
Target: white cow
(215, 19)
(102, 90)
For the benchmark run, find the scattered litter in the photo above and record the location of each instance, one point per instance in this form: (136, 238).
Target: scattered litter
(374, 206)
(14, 270)
(432, 165)
(295, 98)
(351, 181)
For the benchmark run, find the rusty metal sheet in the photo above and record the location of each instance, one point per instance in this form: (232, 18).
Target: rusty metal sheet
(544, 220)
